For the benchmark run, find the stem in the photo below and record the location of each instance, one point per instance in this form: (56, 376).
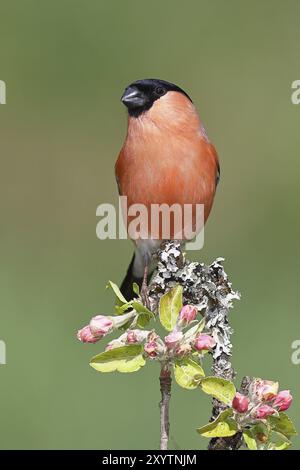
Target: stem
(165, 380)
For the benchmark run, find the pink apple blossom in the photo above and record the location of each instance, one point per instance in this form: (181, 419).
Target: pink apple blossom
(151, 349)
(264, 411)
(265, 389)
(283, 400)
(172, 340)
(204, 342)
(131, 337)
(188, 313)
(240, 403)
(101, 325)
(86, 336)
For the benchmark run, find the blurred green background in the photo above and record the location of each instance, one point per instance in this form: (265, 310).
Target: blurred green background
(65, 64)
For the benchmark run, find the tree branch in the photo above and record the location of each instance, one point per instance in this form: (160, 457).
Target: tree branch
(208, 288)
(165, 380)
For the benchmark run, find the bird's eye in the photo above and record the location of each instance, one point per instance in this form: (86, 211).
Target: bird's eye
(160, 91)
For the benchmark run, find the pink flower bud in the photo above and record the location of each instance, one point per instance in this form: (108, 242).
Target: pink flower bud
(240, 403)
(101, 325)
(204, 342)
(151, 349)
(172, 340)
(131, 337)
(283, 400)
(265, 389)
(264, 411)
(188, 313)
(86, 336)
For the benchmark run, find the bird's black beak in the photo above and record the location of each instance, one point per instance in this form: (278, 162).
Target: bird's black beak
(133, 98)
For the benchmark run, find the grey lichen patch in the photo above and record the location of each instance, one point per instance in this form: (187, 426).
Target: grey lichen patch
(207, 287)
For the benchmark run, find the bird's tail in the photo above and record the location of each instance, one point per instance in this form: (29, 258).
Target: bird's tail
(129, 279)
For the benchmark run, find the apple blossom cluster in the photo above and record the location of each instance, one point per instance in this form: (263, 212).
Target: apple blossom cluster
(263, 400)
(192, 302)
(177, 344)
(253, 417)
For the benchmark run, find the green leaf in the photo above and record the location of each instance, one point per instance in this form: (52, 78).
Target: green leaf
(257, 436)
(223, 426)
(169, 307)
(282, 424)
(188, 373)
(278, 441)
(123, 359)
(221, 389)
(261, 428)
(117, 291)
(144, 316)
(194, 330)
(120, 309)
(249, 440)
(143, 320)
(135, 288)
(140, 308)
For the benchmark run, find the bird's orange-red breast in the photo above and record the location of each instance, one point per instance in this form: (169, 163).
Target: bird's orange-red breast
(167, 157)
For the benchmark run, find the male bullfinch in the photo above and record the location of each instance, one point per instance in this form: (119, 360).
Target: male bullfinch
(166, 159)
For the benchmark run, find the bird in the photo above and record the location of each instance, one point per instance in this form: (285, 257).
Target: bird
(166, 158)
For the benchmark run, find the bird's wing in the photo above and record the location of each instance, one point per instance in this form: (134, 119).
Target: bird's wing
(118, 184)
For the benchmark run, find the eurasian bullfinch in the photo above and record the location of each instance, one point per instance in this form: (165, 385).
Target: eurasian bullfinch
(166, 158)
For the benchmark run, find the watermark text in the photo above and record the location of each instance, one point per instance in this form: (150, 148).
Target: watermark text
(295, 97)
(2, 352)
(2, 92)
(295, 357)
(155, 221)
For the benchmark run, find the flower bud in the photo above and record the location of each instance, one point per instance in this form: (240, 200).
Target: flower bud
(265, 389)
(188, 313)
(172, 340)
(240, 403)
(283, 400)
(86, 336)
(131, 337)
(101, 325)
(204, 342)
(136, 336)
(151, 349)
(264, 411)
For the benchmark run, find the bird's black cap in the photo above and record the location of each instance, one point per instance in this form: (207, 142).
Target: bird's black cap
(139, 96)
